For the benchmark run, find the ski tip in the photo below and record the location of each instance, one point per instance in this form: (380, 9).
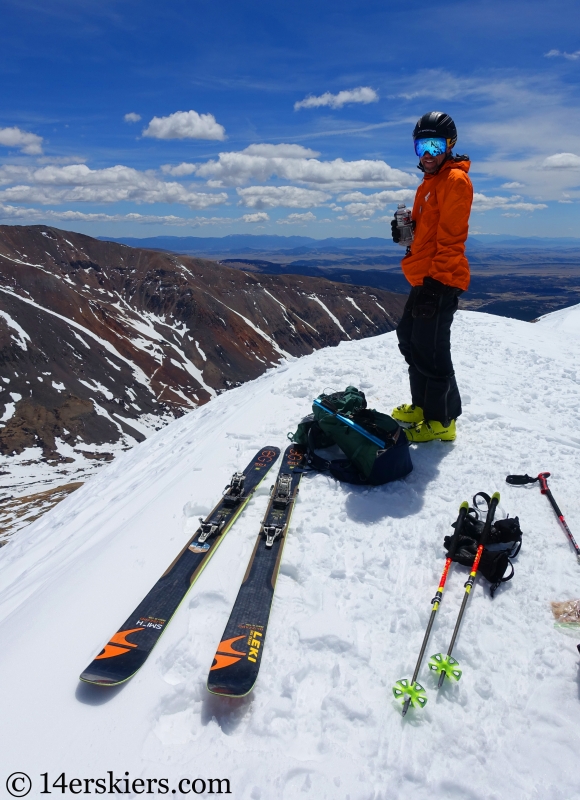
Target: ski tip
(99, 680)
(220, 691)
(465, 504)
(496, 496)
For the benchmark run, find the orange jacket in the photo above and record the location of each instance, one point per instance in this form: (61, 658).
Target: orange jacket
(441, 212)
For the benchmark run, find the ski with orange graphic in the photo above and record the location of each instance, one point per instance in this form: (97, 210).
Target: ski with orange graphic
(237, 660)
(128, 649)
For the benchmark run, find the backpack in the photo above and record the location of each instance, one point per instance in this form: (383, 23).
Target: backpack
(503, 544)
(375, 446)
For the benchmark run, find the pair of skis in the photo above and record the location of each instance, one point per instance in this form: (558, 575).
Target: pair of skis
(237, 661)
(411, 692)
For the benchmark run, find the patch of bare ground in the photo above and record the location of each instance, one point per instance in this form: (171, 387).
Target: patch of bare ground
(18, 512)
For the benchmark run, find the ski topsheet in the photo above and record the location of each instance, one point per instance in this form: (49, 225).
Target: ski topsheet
(237, 660)
(129, 648)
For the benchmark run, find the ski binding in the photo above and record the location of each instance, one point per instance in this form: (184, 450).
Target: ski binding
(271, 532)
(209, 529)
(234, 491)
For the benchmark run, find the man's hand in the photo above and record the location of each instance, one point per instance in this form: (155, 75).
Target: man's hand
(395, 232)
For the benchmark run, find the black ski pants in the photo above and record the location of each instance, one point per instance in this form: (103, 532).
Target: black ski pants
(426, 346)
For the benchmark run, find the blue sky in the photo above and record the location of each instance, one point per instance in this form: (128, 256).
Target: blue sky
(140, 118)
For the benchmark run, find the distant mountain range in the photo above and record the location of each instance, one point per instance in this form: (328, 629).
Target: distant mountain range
(522, 277)
(260, 243)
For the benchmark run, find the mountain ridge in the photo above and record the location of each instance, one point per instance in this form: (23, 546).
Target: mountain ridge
(101, 344)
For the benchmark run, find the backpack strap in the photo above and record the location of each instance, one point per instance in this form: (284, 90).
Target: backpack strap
(486, 498)
(313, 460)
(504, 579)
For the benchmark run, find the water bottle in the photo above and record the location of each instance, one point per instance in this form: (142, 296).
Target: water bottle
(404, 224)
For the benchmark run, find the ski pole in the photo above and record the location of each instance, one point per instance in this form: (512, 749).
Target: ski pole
(447, 666)
(518, 480)
(413, 692)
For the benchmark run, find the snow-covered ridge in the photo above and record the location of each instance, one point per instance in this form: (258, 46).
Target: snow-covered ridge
(358, 573)
(566, 321)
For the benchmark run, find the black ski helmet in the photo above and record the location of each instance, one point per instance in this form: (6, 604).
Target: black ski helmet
(436, 125)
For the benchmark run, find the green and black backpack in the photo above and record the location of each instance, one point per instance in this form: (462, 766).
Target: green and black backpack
(375, 447)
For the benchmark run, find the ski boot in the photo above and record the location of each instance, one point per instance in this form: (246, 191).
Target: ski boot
(430, 431)
(409, 413)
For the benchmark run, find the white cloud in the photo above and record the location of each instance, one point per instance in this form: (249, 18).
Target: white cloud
(516, 117)
(364, 206)
(562, 161)
(362, 94)
(298, 219)
(132, 117)
(179, 170)
(570, 56)
(185, 125)
(296, 163)
(28, 143)
(281, 197)
(78, 183)
(61, 160)
(482, 202)
(280, 151)
(259, 216)
(40, 215)
(512, 185)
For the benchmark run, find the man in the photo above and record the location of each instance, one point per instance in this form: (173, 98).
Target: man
(436, 267)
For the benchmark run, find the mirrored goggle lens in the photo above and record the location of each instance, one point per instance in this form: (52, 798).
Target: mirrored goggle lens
(435, 147)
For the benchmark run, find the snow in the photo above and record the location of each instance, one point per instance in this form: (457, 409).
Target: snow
(259, 331)
(95, 386)
(21, 335)
(330, 314)
(200, 351)
(350, 300)
(358, 573)
(566, 321)
(8, 412)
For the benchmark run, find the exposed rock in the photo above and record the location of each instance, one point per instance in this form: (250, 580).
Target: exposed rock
(100, 342)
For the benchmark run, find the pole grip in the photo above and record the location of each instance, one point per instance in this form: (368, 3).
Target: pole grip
(489, 520)
(463, 509)
(543, 478)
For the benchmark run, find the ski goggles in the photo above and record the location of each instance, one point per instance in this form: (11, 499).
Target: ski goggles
(435, 147)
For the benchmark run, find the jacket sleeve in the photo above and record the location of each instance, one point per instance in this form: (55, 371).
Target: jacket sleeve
(449, 265)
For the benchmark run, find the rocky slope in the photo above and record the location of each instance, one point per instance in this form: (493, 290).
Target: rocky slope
(101, 343)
